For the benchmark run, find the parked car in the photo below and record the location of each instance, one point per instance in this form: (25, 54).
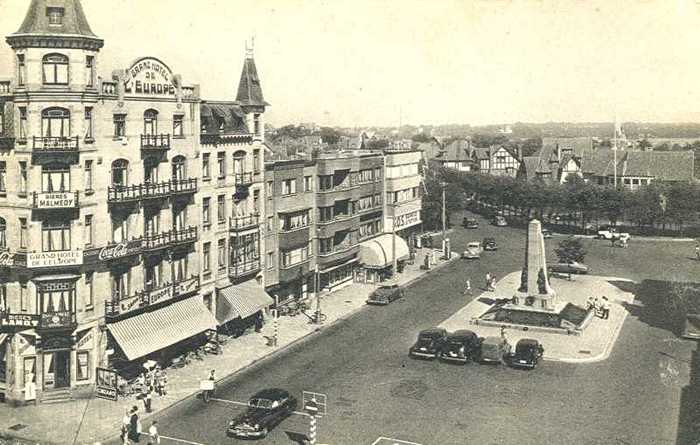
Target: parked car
(528, 353)
(489, 244)
(572, 267)
(473, 251)
(461, 346)
(384, 295)
(546, 233)
(611, 233)
(499, 221)
(429, 343)
(494, 350)
(266, 409)
(470, 223)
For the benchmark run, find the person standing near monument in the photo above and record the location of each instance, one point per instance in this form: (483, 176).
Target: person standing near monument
(468, 287)
(488, 280)
(605, 309)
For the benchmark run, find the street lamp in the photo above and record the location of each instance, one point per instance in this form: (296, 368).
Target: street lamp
(445, 241)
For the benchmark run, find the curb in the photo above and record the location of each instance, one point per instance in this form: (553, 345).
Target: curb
(271, 353)
(606, 352)
(638, 238)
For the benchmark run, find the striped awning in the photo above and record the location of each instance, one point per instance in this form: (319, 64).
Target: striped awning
(145, 333)
(378, 252)
(241, 300)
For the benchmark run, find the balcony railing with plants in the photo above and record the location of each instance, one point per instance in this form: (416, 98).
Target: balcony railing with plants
(55, 144)
(241, 268)
(155, 142)
(238, 223)
(170, 238)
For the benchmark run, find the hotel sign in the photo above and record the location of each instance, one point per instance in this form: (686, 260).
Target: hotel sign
(55, 200)
(160, 295)
(55, 259)
(187, 286)
(406, 220)
(149, 76)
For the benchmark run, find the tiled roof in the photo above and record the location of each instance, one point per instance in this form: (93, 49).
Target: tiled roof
(249, 89)
(457, 151)
(231, 113)
(661, 165)
(74, 21)
(578, 145)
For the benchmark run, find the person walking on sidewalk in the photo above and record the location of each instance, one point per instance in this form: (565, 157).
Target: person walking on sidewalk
(493, 284)
(605, 309)
(153, 436)
(124, 433)
(488, 280)
(134, 425)
(147, 399)
(258, 321)
(468, 287)
(211, 381)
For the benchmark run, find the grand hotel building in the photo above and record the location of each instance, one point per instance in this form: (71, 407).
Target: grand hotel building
(122, 235)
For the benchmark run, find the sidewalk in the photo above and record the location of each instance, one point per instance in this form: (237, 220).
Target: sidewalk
(594, 344)
(58, 423)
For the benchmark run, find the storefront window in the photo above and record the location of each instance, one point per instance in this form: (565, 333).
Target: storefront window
(3, 233)
(82, 366)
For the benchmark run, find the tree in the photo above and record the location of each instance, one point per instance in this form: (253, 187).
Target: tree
(487, 140)
(376, 144)
(330, 135)
(421, 137)
(531, 146)
(570, 250)
(644, 144)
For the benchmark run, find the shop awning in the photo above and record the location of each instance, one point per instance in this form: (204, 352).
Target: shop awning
(152, 331)
(241, 300)
(377, 252)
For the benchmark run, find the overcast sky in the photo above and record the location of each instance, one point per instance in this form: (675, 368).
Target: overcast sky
(360, 62)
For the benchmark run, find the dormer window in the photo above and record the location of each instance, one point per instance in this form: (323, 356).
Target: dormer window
(55, 16)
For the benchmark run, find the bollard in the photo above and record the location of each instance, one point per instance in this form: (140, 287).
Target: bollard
(312, 430)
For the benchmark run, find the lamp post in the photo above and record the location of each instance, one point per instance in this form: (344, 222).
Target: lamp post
(445, 241)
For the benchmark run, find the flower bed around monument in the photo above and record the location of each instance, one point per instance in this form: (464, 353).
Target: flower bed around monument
(571, 315)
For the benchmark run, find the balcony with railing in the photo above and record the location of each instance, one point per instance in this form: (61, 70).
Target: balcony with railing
(55, 200)
(171, 238)
(150, 190)
(50, 144)
(242, 268)
(150, 295)
(243, 178)
(109, 88)
(155, 142)
(5, 87)
(240, 223)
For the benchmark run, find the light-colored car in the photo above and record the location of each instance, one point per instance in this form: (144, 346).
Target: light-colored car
(611, 233)
(473, 251)
(546, 233)
(572, 267)
(499, 221)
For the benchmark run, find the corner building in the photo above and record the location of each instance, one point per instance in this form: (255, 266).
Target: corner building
(102, 230)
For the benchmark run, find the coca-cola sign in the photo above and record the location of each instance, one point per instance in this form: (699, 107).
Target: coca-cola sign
(114, 251)
(7, 259)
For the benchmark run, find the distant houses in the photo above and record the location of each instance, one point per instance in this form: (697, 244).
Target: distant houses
(463, 156)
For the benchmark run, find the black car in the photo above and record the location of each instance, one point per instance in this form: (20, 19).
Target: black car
(429, 343)
(384, 295)
(528, 353)
(470, 223)
(461, 346)
(489, 244)
(266, 409)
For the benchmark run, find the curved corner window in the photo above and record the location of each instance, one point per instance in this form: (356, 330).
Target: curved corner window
(55, 69)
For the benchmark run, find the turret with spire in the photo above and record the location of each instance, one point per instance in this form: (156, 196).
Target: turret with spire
(250, 95)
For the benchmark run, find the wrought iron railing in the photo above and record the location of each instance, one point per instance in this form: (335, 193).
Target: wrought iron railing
(155, 142)
(170, 238)
(237, 223)
(240, 268)
(52, 144)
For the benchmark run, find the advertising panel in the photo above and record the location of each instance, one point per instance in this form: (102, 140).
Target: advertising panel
(55, 259)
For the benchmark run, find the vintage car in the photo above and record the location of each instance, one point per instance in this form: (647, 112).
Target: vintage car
(489, 244)
(499, 221)
(611, 233)
(384, 295)
(546, 233)
(429, 343)
(528, 353)
(470, 223)
(473, 251)
(572, 267)
(266, 409)
(461, 346)
(494, 350)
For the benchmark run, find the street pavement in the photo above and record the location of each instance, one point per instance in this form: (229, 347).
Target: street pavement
(374, 390)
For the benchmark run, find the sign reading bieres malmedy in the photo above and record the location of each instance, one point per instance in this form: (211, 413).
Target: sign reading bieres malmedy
(55, 200)
(149, 77)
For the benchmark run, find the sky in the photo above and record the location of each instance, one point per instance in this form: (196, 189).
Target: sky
(381, 62)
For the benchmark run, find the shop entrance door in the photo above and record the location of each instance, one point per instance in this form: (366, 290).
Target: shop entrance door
(57, 369)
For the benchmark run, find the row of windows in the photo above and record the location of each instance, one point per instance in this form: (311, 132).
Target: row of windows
(239, 208)
(370, 229)
(402, 195)
(150, 124)
(295, 256)
(400, 171)
(238, 159)
(55, 70)
(243, 250)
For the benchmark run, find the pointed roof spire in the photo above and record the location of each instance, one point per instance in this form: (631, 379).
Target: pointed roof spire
(249, 89)
(56, 23)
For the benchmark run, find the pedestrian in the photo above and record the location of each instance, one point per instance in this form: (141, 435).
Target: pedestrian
(134, 425)
(208, 393)
(468, 287)
(153, 436)
(596, 307)
(697, 252)
(258, 321)
(503, 332)
(591, 304)
(493, 284)
(605, 309)
(147, 400)
(164, 382)
(488, 280)
(124, 432)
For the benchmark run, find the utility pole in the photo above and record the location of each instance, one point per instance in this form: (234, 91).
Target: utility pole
(443, 211)
(317, 286)
(393, 246)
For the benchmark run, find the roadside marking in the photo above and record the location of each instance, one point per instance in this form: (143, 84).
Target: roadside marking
(389, 441)
(181, 440)
(234, 402)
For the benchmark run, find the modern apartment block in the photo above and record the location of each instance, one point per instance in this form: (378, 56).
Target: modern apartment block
(403, 185)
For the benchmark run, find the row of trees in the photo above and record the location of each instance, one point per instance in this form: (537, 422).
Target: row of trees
(665, 206)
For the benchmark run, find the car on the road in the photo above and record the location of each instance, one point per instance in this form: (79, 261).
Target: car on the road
(470, 223)
(489, 244)
(528, 353)
(499, 221)
(546, 233)
(473, 251)
(385, 294)
(429, 343)
(266, 409)
(573, 267)
(494, 350)
(461, 346)
(611, 233)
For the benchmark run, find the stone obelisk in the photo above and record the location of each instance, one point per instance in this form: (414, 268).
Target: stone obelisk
(534, 290)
